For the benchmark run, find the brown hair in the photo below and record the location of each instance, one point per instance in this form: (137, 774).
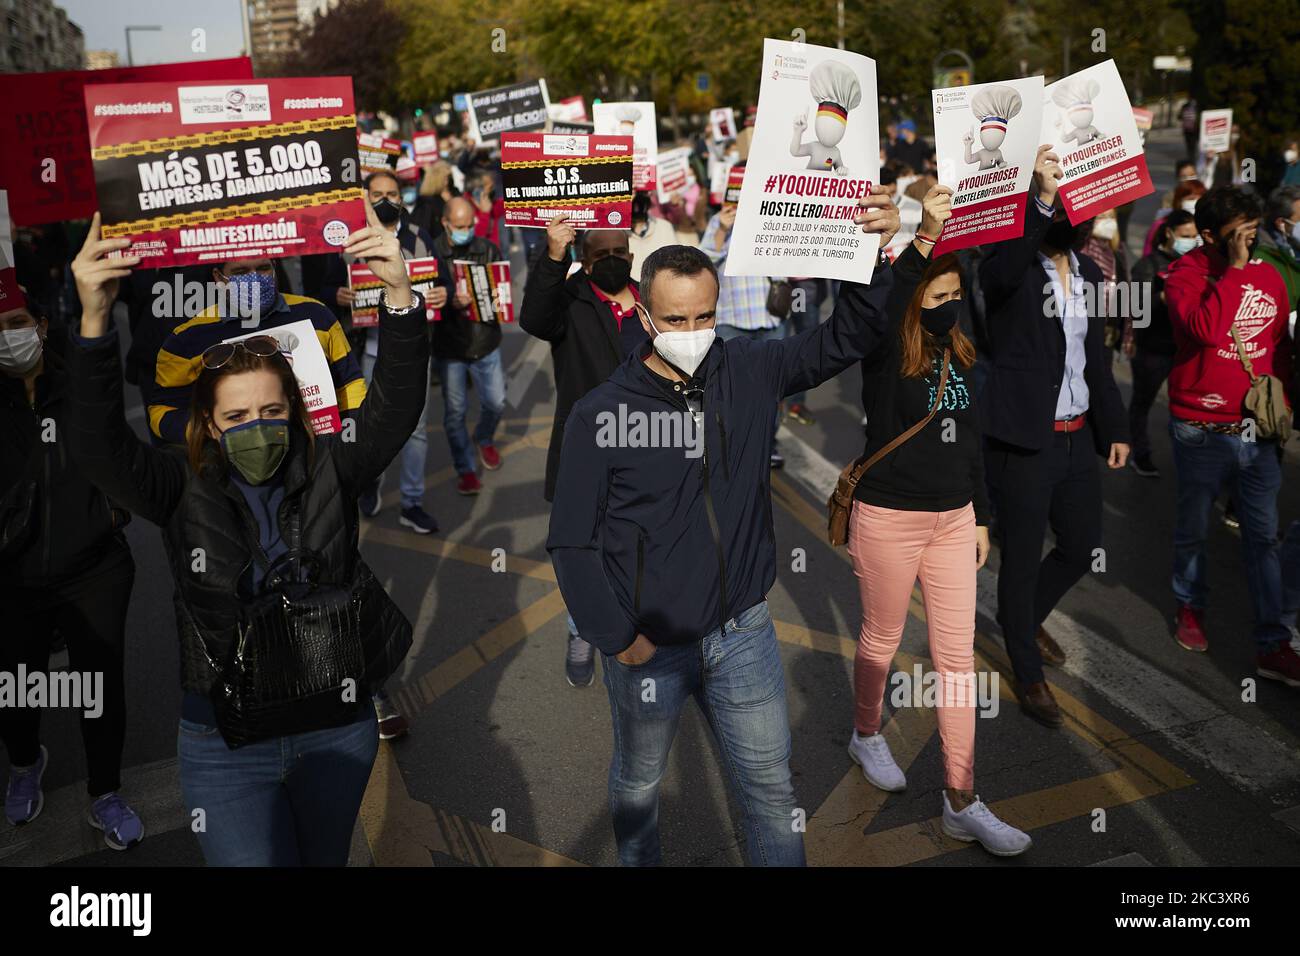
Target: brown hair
(1187, 189)
(204, 400)
(919, 349)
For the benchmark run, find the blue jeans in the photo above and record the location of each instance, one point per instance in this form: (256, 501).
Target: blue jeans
(808, 317)
(490, 383)
(287, 801)
(737, 679)
(1205, 462)
(414, 453)
(727, 332)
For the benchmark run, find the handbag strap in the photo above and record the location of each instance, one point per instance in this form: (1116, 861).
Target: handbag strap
(1241, 351)
(856, 475)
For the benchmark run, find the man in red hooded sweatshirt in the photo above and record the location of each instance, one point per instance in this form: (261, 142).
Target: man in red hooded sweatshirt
(1209, 291)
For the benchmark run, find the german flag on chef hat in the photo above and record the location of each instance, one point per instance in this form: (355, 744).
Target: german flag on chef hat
(836, 89)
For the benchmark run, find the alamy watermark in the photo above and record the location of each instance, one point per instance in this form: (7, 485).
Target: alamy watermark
(922, 688)
(37, 689)
(638, 429)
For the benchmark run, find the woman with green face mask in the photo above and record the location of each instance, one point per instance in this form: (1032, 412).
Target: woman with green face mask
(284, 632)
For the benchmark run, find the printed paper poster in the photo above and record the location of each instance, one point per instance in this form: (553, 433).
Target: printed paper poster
(816, 152)
(377, 152)
(638, 121)
(518, 108)
(479, 282)
(673, 172)
(424, 147)
(1088, 119)
(207, 172)
(11, 297)
(722, 122)
(986, 141)
(1216, 131)
(587, 177)
(301, 346)
(367, 287)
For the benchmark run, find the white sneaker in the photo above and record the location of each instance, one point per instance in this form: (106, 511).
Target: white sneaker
(872, 755)
(977, 823)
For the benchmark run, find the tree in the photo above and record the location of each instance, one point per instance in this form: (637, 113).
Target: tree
(358, 38)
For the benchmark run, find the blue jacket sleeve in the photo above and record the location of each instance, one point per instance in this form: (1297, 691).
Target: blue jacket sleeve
(854, 329)
(577, 516)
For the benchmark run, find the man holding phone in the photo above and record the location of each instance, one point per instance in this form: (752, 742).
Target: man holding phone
(1213, 291)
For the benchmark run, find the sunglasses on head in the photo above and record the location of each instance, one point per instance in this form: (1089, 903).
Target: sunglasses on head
(218, 355)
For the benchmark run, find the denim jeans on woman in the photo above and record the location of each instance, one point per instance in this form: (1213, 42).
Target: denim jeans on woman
(490, 383)
(1206, 462)
(286, 801)
(737, 679)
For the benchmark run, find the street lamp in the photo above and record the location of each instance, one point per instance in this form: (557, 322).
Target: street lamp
(130, 61)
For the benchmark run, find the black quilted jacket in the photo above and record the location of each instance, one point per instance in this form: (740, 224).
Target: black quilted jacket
(204, 511)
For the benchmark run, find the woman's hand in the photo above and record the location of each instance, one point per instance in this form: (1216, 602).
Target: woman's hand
(981, 546)
(936, 209)
(98, 278)
(878, 215)
(382, 254)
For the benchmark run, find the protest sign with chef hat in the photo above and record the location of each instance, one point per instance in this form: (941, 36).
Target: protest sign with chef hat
(638, 121)
(800, 193)
(985, 142)
(1088, 119)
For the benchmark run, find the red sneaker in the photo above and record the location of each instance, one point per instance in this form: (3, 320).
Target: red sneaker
(1282, 663)
(1188, 631)
(468, 484)
(490, 457)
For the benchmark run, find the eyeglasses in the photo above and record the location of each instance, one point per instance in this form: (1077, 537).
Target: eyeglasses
(218, 355)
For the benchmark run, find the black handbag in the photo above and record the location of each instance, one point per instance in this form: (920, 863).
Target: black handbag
(308, 654)
(780, 298)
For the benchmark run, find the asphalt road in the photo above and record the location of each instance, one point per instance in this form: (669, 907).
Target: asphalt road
(1161, 761)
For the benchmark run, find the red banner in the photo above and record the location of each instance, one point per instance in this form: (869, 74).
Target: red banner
(589, 178)
(1111, 186)
(993, 220)
(209, 172)
(45, 162)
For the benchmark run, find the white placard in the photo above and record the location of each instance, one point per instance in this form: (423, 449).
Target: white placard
(986, 141)
(638, 121)
(1216, 131)
(301, 346)
(816, 152)
(673, 172)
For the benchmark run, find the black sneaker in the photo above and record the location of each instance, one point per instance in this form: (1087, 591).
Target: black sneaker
(776, 461)
(369, 500)
(418, 520)
(1144, 466)
(579, 662)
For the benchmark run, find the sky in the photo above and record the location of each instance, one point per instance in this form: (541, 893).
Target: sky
(103, 22)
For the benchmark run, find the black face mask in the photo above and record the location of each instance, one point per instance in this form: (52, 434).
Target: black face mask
(940, 320)
(387, 211)
(611, 274)
(1061, 235)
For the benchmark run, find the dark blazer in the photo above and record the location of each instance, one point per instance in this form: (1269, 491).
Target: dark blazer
(1027, 345)
(586, 346)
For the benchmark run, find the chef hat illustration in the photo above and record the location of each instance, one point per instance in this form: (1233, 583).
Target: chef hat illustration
(1075, 93)
(836, 89)
(995, 106)
(627, 113)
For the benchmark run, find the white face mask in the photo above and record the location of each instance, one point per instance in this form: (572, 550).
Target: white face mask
(1291, 156)
(1105, 228)
(1189, 205)
(20, 350)
(683, 350)
(1185, 244)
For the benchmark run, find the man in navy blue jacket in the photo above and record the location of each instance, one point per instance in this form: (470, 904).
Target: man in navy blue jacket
(1049, 409)
(662, 541)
